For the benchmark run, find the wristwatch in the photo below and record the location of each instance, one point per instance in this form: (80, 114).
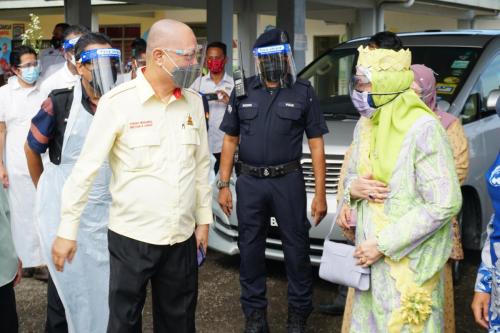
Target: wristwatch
(221, 184)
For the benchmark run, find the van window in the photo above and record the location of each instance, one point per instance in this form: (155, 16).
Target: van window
(452, 66)
(489, 80)
(330, 76)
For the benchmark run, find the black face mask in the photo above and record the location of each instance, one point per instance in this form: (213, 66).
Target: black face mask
(56, 43)
(273, 70)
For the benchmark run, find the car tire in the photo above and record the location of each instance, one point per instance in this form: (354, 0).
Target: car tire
(470, 226)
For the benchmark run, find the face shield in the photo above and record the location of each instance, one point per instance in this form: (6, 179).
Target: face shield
(187, 66)
(69, 49)
(275, 65)
(105, 66)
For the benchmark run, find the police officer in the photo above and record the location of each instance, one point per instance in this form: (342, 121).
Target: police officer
(267, 125)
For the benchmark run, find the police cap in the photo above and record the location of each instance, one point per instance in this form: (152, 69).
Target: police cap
(272, 37)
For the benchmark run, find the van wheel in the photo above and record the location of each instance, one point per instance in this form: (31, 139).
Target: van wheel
(469, 222)
(470, 219)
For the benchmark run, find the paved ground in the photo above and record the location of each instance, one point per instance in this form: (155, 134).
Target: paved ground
(219, 311)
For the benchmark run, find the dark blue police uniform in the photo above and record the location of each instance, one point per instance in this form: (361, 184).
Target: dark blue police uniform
(271, 126)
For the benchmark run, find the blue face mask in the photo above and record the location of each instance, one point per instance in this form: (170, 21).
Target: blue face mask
(30, 75)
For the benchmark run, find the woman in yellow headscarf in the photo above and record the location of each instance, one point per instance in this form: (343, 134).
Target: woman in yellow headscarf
(403, 235)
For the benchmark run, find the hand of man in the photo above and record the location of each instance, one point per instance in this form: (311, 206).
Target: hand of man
(19, 274)
(201, 234)
(480, 305)
(63, 250)
(318, 208)
(368, 253)
(225, 96)
(226, 200)
(3, 176)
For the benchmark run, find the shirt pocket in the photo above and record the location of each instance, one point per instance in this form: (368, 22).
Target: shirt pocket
(142, 147)
(247, 112)
(289, 119)
(190, 141)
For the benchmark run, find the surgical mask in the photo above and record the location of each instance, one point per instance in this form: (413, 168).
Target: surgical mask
(183, 77)
(215, 66)
(30, 74)
(362, 104)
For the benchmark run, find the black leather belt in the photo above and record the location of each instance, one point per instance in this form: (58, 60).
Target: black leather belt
(269, 171)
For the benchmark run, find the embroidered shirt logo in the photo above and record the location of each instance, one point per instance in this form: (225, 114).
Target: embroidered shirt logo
(141, 124)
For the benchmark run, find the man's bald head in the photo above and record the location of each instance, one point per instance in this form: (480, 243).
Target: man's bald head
(170, 34)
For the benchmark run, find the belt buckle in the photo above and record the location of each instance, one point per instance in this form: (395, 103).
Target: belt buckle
(266, 172)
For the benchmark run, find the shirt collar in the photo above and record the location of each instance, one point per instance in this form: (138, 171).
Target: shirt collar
(14, 81)
(226, 78)
(146, 91)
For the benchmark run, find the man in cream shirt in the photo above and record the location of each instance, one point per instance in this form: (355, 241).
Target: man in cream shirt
(153, 132)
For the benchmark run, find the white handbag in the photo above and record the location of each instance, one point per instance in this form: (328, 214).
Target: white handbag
(339, 266)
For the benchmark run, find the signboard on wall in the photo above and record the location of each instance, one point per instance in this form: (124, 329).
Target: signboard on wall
(5, 30)
(17, 30)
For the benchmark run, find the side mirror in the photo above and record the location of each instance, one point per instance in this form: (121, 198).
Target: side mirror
(491, 101)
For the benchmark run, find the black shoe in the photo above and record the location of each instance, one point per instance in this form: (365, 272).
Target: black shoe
(296, 322)
(257, 322)
(336, 308)
(41, 273)
(28, 272)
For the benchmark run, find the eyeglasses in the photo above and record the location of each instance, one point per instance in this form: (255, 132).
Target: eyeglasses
(28, 64)
(187, 54)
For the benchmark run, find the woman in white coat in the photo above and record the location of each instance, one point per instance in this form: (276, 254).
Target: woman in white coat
(20, 99)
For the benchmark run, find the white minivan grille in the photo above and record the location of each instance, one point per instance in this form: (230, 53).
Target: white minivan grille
(333, 166)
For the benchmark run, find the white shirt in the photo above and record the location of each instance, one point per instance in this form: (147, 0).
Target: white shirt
(217, 108)
(17, 106)
(158, 153)
(51, 60)
(61, 79)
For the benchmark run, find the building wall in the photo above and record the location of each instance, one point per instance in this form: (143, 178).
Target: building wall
(395, 21)
(404, 22)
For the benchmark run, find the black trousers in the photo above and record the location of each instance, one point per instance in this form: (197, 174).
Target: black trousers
(285, 199)
(217, 162)
(56, 316)
(173, 272)
(8, 313)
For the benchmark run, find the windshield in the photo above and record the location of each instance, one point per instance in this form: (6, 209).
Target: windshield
(330, 75)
